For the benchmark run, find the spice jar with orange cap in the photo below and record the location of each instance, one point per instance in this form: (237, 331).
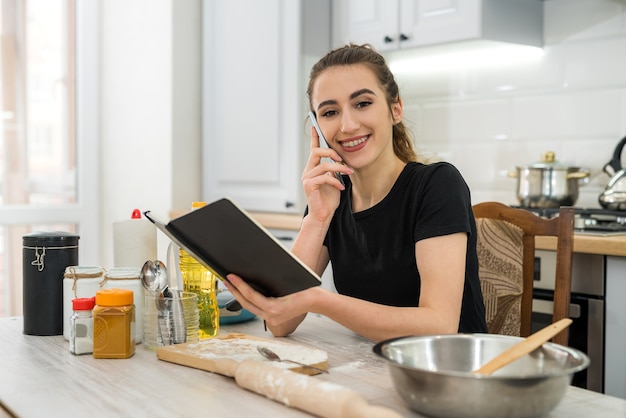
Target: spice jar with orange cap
(114, 324)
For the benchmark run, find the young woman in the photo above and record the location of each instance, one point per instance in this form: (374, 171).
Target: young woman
(400, 234)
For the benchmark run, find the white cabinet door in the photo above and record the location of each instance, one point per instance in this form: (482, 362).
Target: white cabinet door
(251, 103)
(402, 24)
(366, 21)
(428, 22)
(391, 25)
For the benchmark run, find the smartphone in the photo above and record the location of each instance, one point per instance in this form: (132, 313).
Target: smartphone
(323, 142)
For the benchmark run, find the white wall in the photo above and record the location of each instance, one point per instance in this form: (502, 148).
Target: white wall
(150, 110)
(572, 101)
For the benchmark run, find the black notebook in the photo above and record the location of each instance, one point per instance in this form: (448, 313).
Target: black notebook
(224, 238)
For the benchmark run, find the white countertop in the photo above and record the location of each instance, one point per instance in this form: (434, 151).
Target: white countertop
(41, 378)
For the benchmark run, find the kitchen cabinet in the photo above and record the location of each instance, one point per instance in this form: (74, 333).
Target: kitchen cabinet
(253, 101)
(402, 24)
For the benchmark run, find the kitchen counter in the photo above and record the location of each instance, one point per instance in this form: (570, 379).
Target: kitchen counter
(608, 245)
(278, 220)
(270, 220)
(42, 378)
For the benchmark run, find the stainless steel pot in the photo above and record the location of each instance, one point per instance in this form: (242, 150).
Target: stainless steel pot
(548, 184)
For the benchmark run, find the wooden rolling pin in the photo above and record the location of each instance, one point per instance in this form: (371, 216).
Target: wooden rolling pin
(319, 398)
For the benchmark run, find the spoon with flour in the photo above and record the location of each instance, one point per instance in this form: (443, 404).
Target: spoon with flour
(272, 356)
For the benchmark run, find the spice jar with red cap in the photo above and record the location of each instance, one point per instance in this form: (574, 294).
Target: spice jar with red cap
(81, 326)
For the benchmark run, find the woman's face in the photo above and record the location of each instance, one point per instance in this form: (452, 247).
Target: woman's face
(353, 113)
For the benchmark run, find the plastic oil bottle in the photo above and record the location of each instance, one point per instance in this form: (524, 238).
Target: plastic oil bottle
(203, 282)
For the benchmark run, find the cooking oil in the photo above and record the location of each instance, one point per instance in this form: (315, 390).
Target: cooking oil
(203, 282)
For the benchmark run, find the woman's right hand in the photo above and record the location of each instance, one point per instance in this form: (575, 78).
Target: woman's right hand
(321, 188)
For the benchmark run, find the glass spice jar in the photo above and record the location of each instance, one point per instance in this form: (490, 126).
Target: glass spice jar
(114, 324)
(128, 278)
(81, 326)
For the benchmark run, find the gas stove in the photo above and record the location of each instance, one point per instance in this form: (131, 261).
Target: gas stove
(591, 221)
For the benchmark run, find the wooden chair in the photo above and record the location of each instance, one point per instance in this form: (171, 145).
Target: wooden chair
(506, 253)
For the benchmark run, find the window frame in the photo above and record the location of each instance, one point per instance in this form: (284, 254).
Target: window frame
(85, 213)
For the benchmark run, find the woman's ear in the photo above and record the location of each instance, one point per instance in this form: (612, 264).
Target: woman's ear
(397, 111)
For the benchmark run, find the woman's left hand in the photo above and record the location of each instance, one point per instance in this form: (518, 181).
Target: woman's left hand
(282, 314)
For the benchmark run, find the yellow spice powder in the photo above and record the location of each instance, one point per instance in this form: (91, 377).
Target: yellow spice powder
(114, 324)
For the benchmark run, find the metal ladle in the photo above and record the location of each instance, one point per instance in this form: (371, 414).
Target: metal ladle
(272, 356)
(154, 277)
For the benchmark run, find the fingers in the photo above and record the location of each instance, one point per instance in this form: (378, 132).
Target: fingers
(315, 139)
(324, 160)
(243, 293)
(324, 149)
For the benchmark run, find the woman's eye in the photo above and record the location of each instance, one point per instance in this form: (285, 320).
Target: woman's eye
(328, 113)
(363, 103)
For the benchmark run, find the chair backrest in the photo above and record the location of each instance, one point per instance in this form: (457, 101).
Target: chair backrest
(506, 257)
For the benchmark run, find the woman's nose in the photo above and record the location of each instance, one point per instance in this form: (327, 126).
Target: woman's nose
(348, 122)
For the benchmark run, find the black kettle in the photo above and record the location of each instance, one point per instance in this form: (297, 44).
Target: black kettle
(614, 195)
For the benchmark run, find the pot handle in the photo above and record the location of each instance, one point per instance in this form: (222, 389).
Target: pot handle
(616, 161)
(580, 175)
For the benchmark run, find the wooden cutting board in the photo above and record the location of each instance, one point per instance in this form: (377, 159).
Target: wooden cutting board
(235, 355)
(223, 353)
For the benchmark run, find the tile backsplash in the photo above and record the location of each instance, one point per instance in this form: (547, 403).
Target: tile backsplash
(572, 100)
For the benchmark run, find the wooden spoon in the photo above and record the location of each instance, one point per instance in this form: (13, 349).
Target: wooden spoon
(524, 347)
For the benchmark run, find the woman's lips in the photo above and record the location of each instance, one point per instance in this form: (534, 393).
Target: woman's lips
(356, 144)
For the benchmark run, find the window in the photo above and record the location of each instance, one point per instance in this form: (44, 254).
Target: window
(48, 130)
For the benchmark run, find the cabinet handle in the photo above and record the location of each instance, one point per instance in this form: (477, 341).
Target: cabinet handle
(387, 39)
(403, 37)
(289, 204)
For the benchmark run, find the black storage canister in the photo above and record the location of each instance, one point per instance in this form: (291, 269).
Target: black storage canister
(45, 257)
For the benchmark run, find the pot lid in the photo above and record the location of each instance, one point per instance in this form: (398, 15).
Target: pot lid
(548, 160)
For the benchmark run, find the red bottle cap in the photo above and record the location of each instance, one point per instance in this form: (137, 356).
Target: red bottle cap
(83, 304)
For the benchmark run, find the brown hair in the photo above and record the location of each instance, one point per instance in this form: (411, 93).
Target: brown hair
(364, 54)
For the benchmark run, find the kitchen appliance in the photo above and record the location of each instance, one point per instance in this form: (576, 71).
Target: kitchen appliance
(548, 183)
(614, 195)
(591, 221)
(587, 290)
(586, 310)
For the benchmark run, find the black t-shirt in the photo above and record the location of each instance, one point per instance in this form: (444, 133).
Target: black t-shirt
(373, 251)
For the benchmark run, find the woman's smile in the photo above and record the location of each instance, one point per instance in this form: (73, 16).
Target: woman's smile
(354, 144)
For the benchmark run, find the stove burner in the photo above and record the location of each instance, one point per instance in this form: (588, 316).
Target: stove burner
(590, 221)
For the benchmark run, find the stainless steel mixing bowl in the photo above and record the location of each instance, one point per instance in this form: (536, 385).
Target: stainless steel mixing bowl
(433, 374)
